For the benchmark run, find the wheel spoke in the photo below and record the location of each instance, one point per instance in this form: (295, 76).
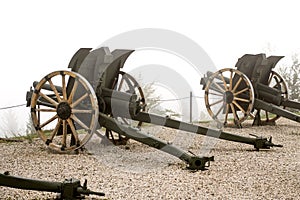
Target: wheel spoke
(278, 83)
(218, 86)
(79, 122)
(121, 83)
(218, 112)
(270, 79)
(64, 87)
(54, 90)
(73, 129)
(130, 85)
(237, 84)
(45, 110)
(217, 102)
(64, 137)
(239, 106)
(49, 121)
(230, 81)
(234, 112)
(52, 101)
(74, 104)
(252, 115)
(224, 82)
(241, 91)
(220, 95)
(226, 113)
(70, 99)
(215, 90)
(55, 130)
(82, 111)
(240, 99)
(38, 115)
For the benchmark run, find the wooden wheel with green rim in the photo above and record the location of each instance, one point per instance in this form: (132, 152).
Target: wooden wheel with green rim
(229, 97)
(64, 110)
(275, 81)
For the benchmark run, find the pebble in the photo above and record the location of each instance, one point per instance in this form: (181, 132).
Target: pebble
(140, 172)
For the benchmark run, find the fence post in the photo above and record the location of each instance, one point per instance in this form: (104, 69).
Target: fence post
(191, 106)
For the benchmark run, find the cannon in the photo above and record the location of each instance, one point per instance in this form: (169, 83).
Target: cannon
(253, 90)
(68, 106)
(68, 189)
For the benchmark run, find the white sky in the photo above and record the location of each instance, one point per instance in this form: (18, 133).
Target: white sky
(38, 37)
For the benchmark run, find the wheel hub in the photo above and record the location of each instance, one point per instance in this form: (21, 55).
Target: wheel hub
(228, 97)
(64, 110)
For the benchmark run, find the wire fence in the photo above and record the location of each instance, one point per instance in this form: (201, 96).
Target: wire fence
(15, 106)
(178, 99)
(13, 121)
(7, 117)
(158, 100)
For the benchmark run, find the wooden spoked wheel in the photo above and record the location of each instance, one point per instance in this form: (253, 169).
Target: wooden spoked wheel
(275, 81)
(64, 110)
(128, 84)
(229, 97)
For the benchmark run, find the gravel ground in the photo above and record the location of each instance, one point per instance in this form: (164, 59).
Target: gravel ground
(136, 171)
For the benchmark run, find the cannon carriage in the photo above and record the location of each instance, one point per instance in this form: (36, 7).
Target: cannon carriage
(251, 90)
(68, 106)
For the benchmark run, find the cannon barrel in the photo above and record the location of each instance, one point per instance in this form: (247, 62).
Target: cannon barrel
(269, 94)
(68, 189)
(120, 103)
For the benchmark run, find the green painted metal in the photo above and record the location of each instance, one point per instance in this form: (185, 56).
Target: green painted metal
(258, 68)
(68, 189)
(101, 69)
